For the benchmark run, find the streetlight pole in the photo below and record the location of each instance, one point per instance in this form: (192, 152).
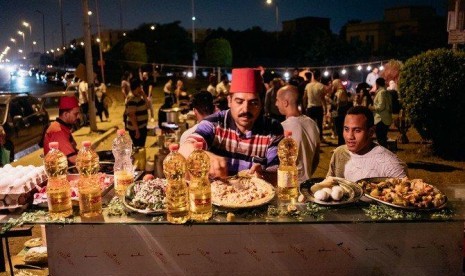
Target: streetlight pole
(101, 62)
(270, 2)
(89, 65)
(28, 25)
(62, 35)
(194, 54)
(43, 28)
(24, 39)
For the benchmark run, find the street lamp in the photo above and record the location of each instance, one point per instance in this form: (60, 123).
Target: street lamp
(28, 25)
(43, 27)
(33, 44)
(24, 39)
(270, 2)
(13, 40)
(194, 54)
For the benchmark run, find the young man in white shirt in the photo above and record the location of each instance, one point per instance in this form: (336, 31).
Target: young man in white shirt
(304, 131)
(360, 157)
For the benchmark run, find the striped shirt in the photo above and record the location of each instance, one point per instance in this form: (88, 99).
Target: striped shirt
(260, 145)
(138, 106)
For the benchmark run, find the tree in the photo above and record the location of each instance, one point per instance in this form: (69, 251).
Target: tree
(134, 54)
(431, 86)
(218, 52)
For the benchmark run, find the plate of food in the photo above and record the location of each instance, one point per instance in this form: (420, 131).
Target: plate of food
(241, 191)
(332, 191)
(146, 196)
(404, 193)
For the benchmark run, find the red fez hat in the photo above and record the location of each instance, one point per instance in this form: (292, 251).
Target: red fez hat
(246, 80)
(68, 102)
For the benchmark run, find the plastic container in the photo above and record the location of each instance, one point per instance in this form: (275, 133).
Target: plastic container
(123, 168)
(198, 165)
(288, 185)
(90, 194)
(177, 193)
(58, 187)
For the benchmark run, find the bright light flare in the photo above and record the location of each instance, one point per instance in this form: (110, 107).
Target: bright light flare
(286, 75)
(326, 73)
(190, 74)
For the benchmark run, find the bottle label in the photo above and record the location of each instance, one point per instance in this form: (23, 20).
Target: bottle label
(287, 179)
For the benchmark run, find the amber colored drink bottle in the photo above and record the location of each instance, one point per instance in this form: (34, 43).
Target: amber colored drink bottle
(90, 194)
(177, 193)
(288, 185)
(58, 187)
(198, 165)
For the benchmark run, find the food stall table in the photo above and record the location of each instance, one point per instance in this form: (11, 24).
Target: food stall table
(264, 241)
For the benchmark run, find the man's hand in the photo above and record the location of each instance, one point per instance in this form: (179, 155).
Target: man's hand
(218, 166)
(257, 170)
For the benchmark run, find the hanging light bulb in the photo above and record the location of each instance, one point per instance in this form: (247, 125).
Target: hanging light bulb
(381, 68)
(326, 73)
(343, 71)
(359, 68)
(369, 68)
(286, 75)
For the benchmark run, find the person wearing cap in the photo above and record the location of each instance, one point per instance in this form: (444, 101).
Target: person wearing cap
(137, 114)
(240, 138)
(60, 130)
(202, 105)
(304, 131)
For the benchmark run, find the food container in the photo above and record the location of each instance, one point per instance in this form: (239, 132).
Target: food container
(172, 115)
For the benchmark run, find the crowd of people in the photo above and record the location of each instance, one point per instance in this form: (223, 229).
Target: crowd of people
(243, 133)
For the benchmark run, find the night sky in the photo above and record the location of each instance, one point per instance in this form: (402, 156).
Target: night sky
(235, 14)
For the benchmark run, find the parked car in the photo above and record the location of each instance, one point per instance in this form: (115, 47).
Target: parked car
(49, 77)
(24, 120)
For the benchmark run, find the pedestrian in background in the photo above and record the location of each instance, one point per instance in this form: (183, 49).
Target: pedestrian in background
(137, 114)
(382, 107)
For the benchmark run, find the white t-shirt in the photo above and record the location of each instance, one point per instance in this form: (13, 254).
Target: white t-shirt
(379, 162)
(83, 88)
(305, 133)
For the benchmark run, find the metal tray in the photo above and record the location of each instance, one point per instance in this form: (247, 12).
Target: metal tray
(353, 192)
(406, 208)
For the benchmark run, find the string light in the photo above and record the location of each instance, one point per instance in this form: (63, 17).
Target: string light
(326, 73)
(359, 68)
(369, 68)
(381, 68)
(343, 71)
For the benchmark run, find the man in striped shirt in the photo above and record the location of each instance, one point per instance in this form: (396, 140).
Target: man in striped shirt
(137, 115)
(240, 138)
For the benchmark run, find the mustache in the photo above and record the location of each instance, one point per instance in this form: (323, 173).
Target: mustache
(246, 114)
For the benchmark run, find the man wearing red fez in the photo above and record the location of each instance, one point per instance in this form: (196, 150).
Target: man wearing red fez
(60, 130)
(240, 138)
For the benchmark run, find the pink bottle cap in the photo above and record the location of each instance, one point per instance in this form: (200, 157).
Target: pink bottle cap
(198, 145)
(121, 132)
(53, 145)
(173, 147)
(86, 144)
(287, 133)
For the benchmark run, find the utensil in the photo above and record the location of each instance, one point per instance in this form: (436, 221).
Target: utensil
(27, 266)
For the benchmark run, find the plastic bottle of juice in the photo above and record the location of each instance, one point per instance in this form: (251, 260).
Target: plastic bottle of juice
(198, 165)
(90, 194)
(123, 168)
(288, 185)
(58, 188)
(177, 193)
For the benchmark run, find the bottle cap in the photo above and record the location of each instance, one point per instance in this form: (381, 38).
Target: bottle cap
(53, 145)
(198, 145)
(121, 132)
(86, 144)
(287, 133)
(173, 147)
